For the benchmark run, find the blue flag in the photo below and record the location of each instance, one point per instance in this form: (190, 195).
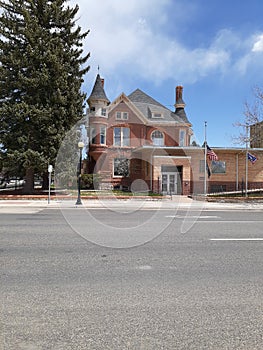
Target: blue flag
(251, 158)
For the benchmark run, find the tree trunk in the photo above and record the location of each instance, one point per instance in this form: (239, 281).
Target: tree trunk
(45, 181)
(29, 185)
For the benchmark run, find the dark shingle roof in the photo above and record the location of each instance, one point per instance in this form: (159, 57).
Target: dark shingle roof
(98, 92)
(140, 96)
(180, 113)
(147, 106)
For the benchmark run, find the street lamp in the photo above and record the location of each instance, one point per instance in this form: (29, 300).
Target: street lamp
(80, 146)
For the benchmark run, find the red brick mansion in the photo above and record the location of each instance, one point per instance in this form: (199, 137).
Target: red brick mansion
(138, 144)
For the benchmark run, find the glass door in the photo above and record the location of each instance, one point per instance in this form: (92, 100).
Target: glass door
(164, 183)
(169, 183)
(172, 183)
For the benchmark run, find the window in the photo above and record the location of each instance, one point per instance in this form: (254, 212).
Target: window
(157, 115)
(157, 138)
(103, 135)
(122, 115)
(92, 135)
(103, 112)
(202, 166)
(169, 169)
(121, 167)
(121, 136)
(182, 138)
(218, 167)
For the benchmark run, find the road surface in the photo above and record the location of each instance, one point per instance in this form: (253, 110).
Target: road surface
(197, 283)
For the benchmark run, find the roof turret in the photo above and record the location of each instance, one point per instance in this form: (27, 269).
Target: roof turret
(98, 92)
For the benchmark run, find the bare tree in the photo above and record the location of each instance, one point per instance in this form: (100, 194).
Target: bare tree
(251, 128)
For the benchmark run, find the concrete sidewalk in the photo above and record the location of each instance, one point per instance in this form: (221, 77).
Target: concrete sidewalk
(174, 202)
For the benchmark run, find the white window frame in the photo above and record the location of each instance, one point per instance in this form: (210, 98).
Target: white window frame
(160, 143)
(128, 165)
(182, 139)
(103, 134)
(122, 137)
(118, 115)
(125, 115)
(104, 112)
(121, 115)
(157, 115)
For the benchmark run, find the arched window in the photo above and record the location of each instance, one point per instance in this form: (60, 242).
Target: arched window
(157, 138)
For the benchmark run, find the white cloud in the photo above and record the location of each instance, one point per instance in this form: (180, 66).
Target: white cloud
(131, 38)
(258, 45)
(250, 61)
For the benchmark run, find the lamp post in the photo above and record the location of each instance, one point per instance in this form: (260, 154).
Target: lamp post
(50, 169)
(80, 146)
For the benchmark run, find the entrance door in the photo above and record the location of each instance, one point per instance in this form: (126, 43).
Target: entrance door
(169, 183)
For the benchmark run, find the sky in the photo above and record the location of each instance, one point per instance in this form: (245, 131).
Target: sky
(214, 49)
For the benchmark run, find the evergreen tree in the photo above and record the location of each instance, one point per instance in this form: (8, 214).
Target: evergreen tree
(41, 72)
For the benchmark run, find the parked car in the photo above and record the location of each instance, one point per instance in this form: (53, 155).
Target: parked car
(2, 182)
(14, 183)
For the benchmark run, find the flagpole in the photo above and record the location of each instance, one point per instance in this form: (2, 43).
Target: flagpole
(246, 179)
(205, 184)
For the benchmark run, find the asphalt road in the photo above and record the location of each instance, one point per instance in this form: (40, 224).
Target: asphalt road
(196, 283)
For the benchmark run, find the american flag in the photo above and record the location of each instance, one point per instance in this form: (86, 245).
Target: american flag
(252, 158)
(211, 154)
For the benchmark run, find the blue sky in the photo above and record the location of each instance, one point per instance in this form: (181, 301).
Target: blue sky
(213, 48)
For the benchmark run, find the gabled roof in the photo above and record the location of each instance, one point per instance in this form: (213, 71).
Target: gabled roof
(98, 92)
(147, 106)
(123, 98)
(141, 97)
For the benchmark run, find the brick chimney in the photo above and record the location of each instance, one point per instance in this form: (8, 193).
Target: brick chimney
(179, 92)
(179, 102)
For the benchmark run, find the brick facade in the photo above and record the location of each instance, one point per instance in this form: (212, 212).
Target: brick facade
(124, 153)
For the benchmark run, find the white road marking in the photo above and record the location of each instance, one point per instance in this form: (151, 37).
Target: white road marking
(193, 216)
(213, 221)
(236, 239)
(20, 210)
(144, 267)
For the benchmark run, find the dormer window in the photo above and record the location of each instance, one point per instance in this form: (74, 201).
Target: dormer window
(157, 115)
(122, 115)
